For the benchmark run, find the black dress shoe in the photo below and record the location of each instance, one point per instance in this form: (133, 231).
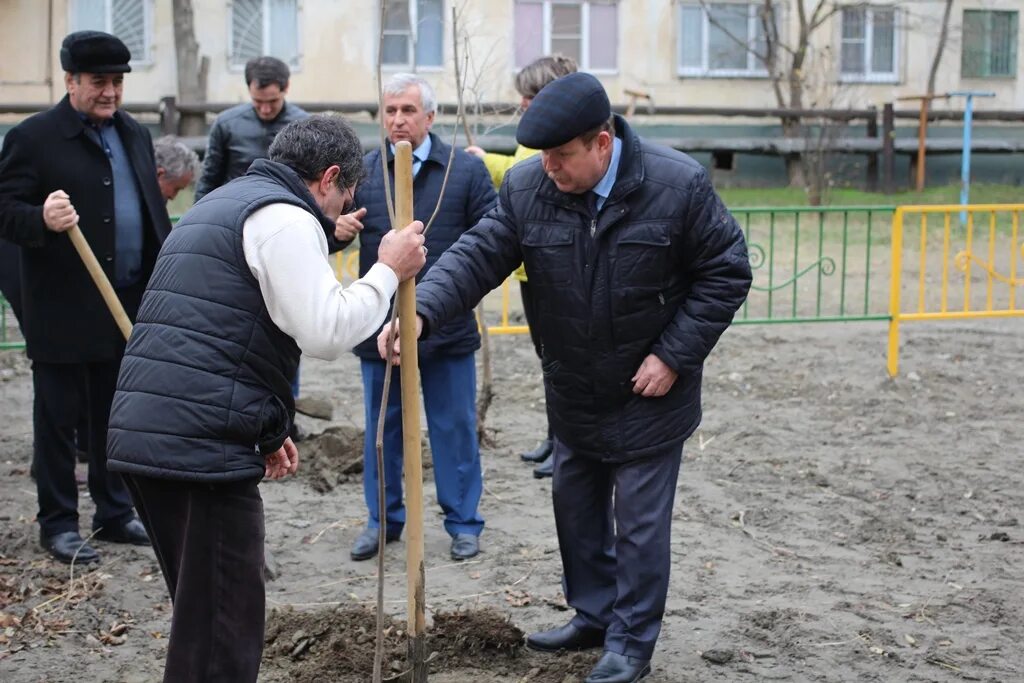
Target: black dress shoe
(545, 469)
(131, 532)
(616, 668)
(365, 546)
(465, 546)
(568, 637)
(539, 453)
(69, 547)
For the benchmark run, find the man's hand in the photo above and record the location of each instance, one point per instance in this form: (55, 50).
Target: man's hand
(283, 461)
(654, 378)
(476, 151)
(349, 225)
(403, 251)
(382, 341)
(58, 212)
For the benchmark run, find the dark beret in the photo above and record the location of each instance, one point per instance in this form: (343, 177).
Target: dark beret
(564, 109)
(94, 52)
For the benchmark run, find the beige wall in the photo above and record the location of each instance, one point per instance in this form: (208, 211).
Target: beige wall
(339, 45)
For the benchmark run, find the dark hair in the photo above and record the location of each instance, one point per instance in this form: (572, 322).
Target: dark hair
(542, 71)
(311, 146)
(267, 71)
(588, 137)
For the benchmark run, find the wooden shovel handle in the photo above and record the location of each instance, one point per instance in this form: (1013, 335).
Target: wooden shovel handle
(100, 278)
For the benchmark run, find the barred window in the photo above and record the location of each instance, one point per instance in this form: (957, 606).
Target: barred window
(989, 44)
(264, 28)
(129, 20)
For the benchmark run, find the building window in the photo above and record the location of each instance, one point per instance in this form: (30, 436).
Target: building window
(129, 20)
(868, 47)
(414, 34)
(721, 40)
(989, 44)
(264, 28)
(586, 30)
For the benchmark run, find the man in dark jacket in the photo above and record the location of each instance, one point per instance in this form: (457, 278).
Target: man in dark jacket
(83, 163)
(447, 365)
(243, 133)
(639, 269)
(203, 406)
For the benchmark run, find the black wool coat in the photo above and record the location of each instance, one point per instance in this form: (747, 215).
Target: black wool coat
(65, 319)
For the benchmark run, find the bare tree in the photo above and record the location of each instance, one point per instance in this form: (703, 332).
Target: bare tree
(940, 47)
(192, 68)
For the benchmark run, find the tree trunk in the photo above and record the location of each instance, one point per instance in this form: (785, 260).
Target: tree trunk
(192, 69)
(940, 47)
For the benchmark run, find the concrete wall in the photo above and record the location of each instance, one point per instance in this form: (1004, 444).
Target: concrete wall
(339, 46)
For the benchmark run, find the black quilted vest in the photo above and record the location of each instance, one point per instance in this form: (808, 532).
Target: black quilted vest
(204, 387)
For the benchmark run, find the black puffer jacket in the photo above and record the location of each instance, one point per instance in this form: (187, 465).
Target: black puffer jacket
(206, 378)
(664, 273)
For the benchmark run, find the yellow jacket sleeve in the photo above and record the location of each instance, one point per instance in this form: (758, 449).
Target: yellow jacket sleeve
(497, 165)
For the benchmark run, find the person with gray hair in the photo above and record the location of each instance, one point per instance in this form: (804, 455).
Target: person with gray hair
(176, 165)
(447, 363)
(203, 406)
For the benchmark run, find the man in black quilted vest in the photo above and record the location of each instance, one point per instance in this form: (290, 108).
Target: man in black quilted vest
(637, 268)
(203, 403)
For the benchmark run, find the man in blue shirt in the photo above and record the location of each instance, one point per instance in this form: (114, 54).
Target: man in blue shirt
(447, 365)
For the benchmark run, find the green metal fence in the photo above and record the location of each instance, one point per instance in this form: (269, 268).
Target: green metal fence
(817, 264)
(822, 264)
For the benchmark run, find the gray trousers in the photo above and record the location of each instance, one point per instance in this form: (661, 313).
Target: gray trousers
(614, 530)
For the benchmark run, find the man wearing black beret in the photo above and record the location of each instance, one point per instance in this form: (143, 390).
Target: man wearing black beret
(638, 269)
(86, 163)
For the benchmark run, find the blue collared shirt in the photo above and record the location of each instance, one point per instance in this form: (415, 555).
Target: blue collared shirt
(604, 187)
(127, 202)
(419, 155)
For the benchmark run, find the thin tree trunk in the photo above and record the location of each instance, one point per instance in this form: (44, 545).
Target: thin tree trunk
(192, 68)
(940, 48)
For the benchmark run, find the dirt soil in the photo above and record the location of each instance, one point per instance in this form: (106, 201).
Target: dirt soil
(830, 525)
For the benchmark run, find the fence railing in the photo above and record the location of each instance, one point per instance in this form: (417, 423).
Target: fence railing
(10, 335)
(953, 263)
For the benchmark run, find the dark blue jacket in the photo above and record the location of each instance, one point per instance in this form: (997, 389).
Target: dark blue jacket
(206, 377)
(664, 273)
(468, 196)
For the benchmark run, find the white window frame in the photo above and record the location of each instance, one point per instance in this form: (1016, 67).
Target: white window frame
(755, 66)
(294, 65)
(147, 20)
(411, 40)
(584, 6)
(869, 76)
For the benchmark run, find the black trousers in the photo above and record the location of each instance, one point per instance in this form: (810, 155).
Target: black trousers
(64, 394)
(530, 313)
(208, 539)
(614, 525)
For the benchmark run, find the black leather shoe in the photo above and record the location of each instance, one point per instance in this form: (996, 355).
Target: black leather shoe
(131, 531)
(69, 547)
(365, 546)
(465, 546)
(616, 668)
(568, 637)
(545, 469)
(539, 453)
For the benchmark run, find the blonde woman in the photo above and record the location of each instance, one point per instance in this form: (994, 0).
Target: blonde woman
(529, 81)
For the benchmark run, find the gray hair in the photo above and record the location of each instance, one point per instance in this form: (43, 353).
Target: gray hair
(311, 146)
(175, 157)
(538, 73)
(399, 83)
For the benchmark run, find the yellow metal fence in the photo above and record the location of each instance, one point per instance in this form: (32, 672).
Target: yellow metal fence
(953, 262)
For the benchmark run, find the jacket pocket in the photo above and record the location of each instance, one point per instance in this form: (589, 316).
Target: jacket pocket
(642, 255)
(548, 253)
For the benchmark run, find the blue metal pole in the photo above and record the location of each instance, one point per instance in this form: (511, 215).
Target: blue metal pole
(965, 162)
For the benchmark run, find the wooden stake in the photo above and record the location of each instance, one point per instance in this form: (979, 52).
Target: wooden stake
(412, 457)
(102, 283)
